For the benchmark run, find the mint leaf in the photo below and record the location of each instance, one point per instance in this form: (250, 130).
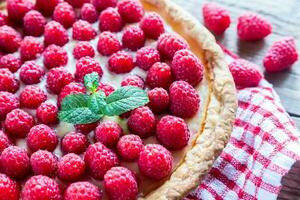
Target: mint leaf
(79, 116)
(74, 101)
(97, 102)
(91, 82)
(125, 99)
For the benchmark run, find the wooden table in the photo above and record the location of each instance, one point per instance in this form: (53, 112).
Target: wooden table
(285, 18)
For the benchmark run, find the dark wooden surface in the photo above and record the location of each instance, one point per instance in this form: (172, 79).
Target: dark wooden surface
(285, 18)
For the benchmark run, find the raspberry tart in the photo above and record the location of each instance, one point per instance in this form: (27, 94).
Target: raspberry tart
(108, 99)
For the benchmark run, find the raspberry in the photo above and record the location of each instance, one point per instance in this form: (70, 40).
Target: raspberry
(74, 143)
(168, 44)
(88, 13)
(32, 96)
(87, 65)
(3, 19)
(86, 128)
(34, 23)
(158, 100)
(70, 167)
(253, 27)
(43, 163)
(10, 62)
(155, 162)
(130, 10)
(15, 162)
(30, 48)
(31, 73)
(9, 189)
(282, 54)
(46, 113)
(120, 184)
(187, 67)
(55, 56)
(108, 43)
(64, 14)
(8, 82)
(120, 62)
(110, 20)
(107, 89)
(57, 79)
(159, 75)
(8, 102)
(71, 88)
(133, 38)
(4, 141)
(83, 30)
(129, 147)
(108, 133)
(184, 99)
(55, 33)
(10, 39)
(152, 25)
(46, 6)
(103, 4)
(82, 190)
(77, 3)
(41, 187)
(142, 122)
(245, 73)
(16, 9)
(99, 159)
(133, 80)
(146, 57)
(18, 123)
(42, 137)
(83, 49)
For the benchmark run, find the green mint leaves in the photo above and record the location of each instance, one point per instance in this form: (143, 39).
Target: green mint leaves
(91, 107)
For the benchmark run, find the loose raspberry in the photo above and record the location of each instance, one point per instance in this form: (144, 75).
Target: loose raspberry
(159, 75)
(9, 189)
(120, 184)
(130, 10)
(43, 163)
(88, 13)
(42, 137)
(71, 88)
(107, 89)
(86, 128)
(87, 65)
(133, 80)
(32, 96)
(99, 159)
(57, 79)
(110, 20)
(133, 38)
(83, 49)
(103, 4)
(46, 6)
(146, 57)
(82, 190)
(8, 82)
(46, 113)
(40, 186)
(108, 133)
(4, 142)
(77, 3)
(31, 73)
(30, 48)
(282, 54)
(120, 62)
(152, 25)
(34, 23)
(10, 39)
(83, 30)
(253, 27)
(15, 162)
(55, 33)
(108, 43)
(158, 100)
(16, 9)
(55, 56)
(8, 102)
(64, 14)
(74, 143)
(184, 99)
(129, 147)
(10, 62)
(18, 123)
(3, 19)
(70, 167)
(155, 162)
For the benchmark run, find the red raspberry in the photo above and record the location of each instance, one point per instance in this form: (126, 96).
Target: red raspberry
(129, 147)
(43, 163)
(8, 102)
(18, 123)
(70, 167)
(184, 99)
(3, 19)
(46, 6)
(120, 62)
(64, 14)
(88, 13)
(10, 62)
(16, 9)
(57, 79)
(146, 57)
(82, 190)
(15, 162)
(133, 80)
(87, 65)
(120, 184)
(103, 4)
(86, 128)
(282, 54)
(4, 142)
(55, 56)
(99, 159)
(34, 23)
(83, 30)
(110, 20)
(133, 38)
(74, 143)
(9, 189)
(158, 100)
(40, 186)
(8, 82)
(30, 48)
(155, 162)
(187, 67)
(142, 122)
(77, 3)
(108, 43)
(168, 44)
(253, 27)
(55, 33)
(152, 25)
(31, 73)
(42, 137)
(107, 89)
(71, 88)
(130, 10)
(10, 39)
(159, 75)
(32, 96)
(108, 133)
(83, 49)
(46, 113)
